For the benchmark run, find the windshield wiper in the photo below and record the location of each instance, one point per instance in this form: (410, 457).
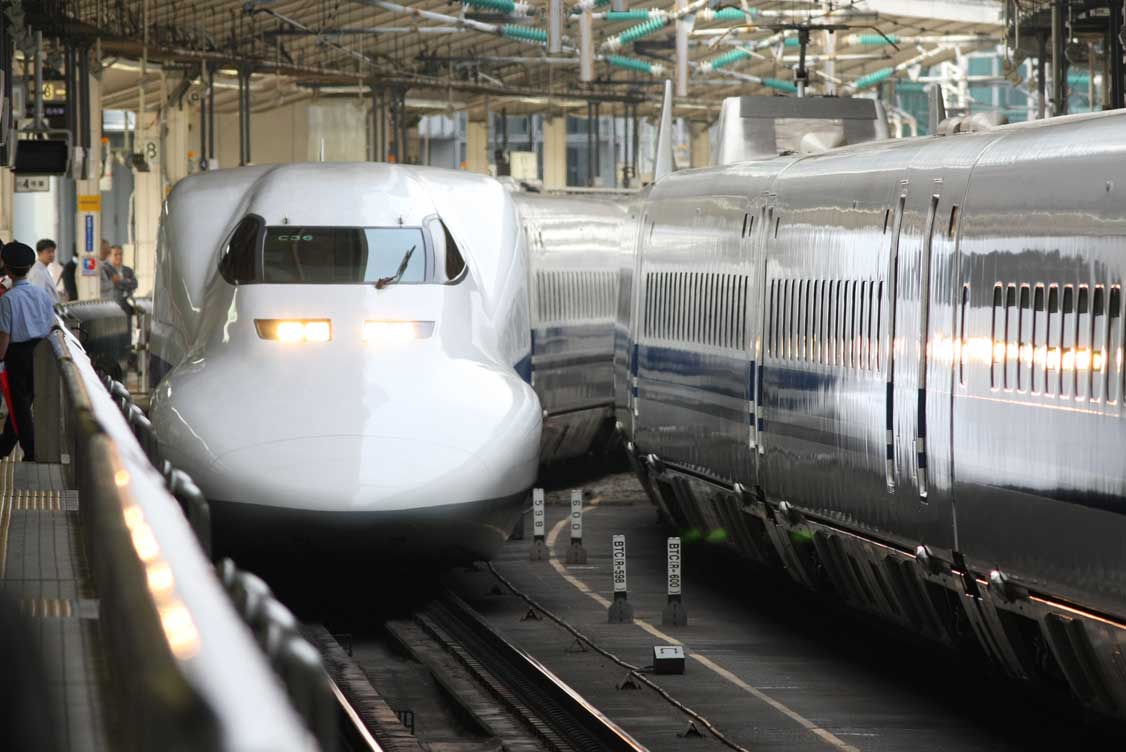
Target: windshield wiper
(388, 281)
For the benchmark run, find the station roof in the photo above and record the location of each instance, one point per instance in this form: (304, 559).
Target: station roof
(453, 56)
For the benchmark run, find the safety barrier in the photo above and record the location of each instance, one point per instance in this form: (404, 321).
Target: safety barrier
(185, 669)
(296, 662)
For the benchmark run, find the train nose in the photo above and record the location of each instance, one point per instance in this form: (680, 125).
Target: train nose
(381, 473)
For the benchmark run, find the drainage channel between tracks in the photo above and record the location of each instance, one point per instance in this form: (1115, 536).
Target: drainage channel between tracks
(510, 694)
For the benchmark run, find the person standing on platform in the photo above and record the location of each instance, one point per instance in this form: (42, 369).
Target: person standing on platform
(125, 280)
(26, 317)
(107, 275)
(40, 274)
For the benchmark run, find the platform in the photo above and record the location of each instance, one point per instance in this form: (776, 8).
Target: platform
(44, 571)
(770, 666)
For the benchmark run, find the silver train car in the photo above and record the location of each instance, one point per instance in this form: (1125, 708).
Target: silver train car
(576, 249)
(343, 352)
(896, 370)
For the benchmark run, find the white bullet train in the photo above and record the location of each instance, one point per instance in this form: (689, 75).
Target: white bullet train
(343, 353)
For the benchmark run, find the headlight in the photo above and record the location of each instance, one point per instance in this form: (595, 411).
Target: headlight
(294, 330)
(394, 332)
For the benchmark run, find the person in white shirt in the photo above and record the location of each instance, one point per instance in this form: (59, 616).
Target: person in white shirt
(40, 275)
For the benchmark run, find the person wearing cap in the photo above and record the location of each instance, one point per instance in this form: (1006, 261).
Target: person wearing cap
(40, 274)
(27, 314)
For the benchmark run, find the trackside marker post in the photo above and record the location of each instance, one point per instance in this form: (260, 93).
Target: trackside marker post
(621, 612)
(538, 551)
(674, 613)
(576, 554)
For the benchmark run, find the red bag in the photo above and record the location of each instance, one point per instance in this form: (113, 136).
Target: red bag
(8, 397)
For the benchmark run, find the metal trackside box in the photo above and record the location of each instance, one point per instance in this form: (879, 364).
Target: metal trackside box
(668, 659)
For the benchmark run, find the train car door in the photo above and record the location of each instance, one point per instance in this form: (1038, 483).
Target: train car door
(909, 270)
(761, 209)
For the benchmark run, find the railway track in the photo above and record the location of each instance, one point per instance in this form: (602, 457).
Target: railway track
(509, 695)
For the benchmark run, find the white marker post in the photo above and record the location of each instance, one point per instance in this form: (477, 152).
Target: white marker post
(674, 613)
(538, 551)
(576, 554)
(621, 612)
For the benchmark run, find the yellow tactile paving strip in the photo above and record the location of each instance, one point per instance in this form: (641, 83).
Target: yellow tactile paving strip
(7, 487)
(56, 608)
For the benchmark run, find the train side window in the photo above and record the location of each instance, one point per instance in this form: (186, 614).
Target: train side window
(1011, 345)
(239, 264)
(850, 323)
(1053, 358)
(1098, 344)
(772, 318)
(800, 334)
(815, 324)
(841, 324)
(879, 321)
(962, 344)
(741, 314)
(952, 227)
(1082, 358)
(1113, 355)
(997, 337)
(810, 301)
(1039, 339)
(1067, 342)
(1024, 337)
(862, 325)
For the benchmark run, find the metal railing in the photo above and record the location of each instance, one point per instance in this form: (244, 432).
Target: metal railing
(185, 670)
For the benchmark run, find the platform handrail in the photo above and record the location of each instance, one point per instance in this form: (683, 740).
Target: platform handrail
(189, 673)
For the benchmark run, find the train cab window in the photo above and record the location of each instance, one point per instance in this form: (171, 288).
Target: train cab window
(997, 335)
(239, 262)
(344, 255)
(1113, 355)
(446, 251)
(1024, 337)
(1039, 339)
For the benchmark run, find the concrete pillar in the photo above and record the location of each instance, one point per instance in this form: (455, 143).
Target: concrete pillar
(477, 146)
(88, 217)
(7, 201)
(555, 152)
(699, 144)
(180, 139)
(148, 197)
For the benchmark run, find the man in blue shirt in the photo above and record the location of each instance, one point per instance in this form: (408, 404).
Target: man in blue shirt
(26, 317)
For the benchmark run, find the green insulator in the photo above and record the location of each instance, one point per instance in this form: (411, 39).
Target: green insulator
(734, 14)
(1078, 79)
(629, 63)
(877, 40)
(728, 58)
(873, 78)
(524, 33)
(792, 42)
(600, 3)
(637, 14)
(503, 6)
(633, 33)
(780, 85)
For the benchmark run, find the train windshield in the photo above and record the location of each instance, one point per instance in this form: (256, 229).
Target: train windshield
(343, 255)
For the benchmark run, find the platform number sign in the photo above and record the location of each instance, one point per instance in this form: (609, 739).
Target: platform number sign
(675, 560)
(537, 512)
(618, 559)
(577, 515)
